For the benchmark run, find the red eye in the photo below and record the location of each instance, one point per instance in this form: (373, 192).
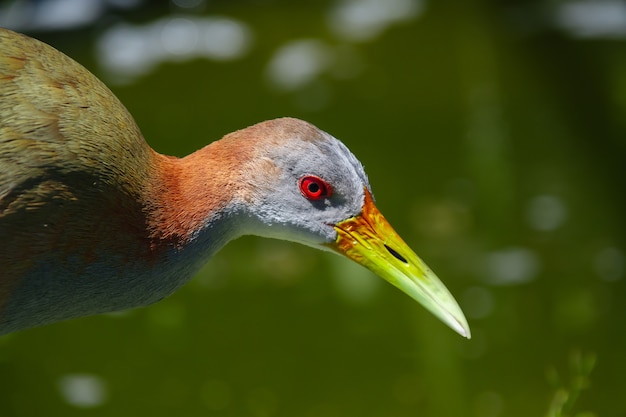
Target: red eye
(314, 188)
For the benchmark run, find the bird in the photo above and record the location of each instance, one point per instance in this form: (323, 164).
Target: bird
(93, 220)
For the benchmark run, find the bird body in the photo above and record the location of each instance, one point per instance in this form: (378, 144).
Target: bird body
(93, 220)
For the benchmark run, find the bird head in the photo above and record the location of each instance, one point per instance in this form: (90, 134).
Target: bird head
(305, 186)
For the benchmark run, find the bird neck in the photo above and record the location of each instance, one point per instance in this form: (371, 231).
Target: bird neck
(195, 194)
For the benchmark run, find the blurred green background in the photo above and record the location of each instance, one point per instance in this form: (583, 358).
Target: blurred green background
(494, 137)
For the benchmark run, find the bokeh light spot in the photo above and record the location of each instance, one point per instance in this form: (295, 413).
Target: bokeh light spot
(361, 20)
(546, 212)
(512, 266)
(83, 390)
(298, 63)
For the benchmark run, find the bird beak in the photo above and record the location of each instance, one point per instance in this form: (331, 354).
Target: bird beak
(369, 240)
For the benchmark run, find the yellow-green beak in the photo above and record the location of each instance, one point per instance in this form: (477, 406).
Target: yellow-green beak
(369, 240)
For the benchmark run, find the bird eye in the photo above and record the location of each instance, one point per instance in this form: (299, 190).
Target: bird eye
(314, 188)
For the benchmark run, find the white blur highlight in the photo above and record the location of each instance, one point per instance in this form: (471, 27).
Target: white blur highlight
(83, 390)
(129, 51)
(593, 19)
(512, 266)
(57, 14)
(363, 20)
(297, 63)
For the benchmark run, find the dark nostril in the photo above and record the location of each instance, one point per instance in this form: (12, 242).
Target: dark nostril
(396, 254)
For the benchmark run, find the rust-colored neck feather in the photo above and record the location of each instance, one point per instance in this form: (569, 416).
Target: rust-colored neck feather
(184, 194)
